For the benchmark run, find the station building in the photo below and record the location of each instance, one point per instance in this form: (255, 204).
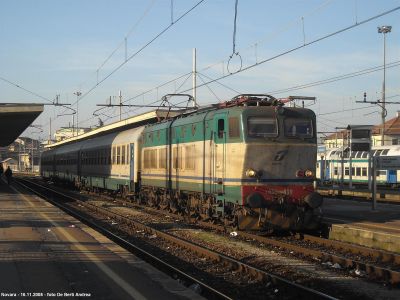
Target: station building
(391, 136)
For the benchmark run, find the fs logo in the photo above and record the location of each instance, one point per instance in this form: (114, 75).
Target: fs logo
(280, 155)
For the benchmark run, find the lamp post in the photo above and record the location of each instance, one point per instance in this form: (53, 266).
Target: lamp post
(77, 110)
(384, 29)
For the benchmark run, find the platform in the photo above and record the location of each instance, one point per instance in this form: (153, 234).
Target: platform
(356, 222)
(45, 253)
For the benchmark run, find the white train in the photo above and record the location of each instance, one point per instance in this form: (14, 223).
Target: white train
(330, 164)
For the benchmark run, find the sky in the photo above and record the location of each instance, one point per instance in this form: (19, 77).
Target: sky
(99, 47)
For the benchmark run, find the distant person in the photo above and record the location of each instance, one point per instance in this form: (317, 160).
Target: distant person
(8, 174)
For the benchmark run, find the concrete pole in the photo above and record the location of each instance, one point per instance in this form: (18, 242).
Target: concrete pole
(194, 77)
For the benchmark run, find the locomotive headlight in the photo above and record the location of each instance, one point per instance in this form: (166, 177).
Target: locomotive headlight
(309, 173)
(306, 173)
(253, 173)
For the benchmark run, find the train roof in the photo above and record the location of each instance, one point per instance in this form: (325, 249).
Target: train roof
(389, 150)
(132, 122)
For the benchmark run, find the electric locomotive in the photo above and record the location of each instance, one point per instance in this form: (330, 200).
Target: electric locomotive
(249, 162)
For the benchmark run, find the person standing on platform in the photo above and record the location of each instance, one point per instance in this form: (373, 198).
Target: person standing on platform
(8, 174)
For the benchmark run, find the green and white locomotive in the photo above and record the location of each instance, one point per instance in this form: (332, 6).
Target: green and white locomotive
(248, 162)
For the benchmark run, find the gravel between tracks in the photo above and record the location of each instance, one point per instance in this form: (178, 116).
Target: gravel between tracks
(313, 274)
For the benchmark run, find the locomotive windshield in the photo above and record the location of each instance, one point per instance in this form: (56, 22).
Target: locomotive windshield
(301, 128)
(262, 127)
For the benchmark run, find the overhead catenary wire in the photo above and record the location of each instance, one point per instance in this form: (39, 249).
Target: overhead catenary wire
(335, 78)
(288, 51)
(298, 47)
(26, 90)
(123, 42)
(139, 50)
(209, 88)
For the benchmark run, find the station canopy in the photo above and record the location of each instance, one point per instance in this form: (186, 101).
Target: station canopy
(15, 118)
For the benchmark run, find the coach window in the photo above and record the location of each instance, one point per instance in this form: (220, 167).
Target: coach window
(364, 172)
(262, 127)
(177, 158)
(346, 171)
(358, 171)
(385, 152)
(118, 155)
(123, 155)
(190, 154)
(153, 158)
(114, 155)
(162, 155)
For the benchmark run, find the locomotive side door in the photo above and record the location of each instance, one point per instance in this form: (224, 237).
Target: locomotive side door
(219, 153)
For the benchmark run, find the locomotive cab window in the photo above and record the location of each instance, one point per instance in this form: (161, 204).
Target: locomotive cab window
(221, 128)
(301, 128)
(262, 127)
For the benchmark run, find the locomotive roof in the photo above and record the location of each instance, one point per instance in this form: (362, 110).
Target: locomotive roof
(198, 116)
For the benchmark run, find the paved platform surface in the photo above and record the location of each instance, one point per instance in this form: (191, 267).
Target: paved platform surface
(44, 253)
(356, 222)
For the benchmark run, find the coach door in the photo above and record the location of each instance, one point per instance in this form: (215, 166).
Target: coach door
(132, 166)
(219, 152)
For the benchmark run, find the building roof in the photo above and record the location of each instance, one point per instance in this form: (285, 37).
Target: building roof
(392, 127)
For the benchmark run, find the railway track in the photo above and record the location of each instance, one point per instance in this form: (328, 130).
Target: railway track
(378, 265)
(292, 289)
(383, 195)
